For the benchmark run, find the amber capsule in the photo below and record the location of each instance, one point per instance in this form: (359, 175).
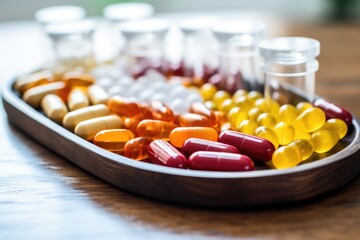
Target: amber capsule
(220, 117)
(26, 82)
(132, 123)
(77, 99)
(160, 111)
(78, 79)
(179, 135)
(156, 129)
(113, 140)
(97, 95)
(71, 119)
(34, 95)
(54, 108)
(193, 120)
(333, 110)
(123, 106)
(201, 109)
(163, 153)
(137, 148)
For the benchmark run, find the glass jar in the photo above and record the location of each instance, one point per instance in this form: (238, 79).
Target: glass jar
(238, 40)
(289, 66)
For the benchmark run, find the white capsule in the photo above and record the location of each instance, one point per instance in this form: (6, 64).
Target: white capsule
(105, 82)
(117, 90)
(178, 106)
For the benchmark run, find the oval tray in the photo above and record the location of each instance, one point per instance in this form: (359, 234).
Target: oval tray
(202, 188)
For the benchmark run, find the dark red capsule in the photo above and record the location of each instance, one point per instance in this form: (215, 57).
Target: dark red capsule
(256, 148)
(220, 161)
(163, 153)
(333, 111)
(196, 144)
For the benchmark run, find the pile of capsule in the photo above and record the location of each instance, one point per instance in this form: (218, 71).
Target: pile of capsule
(220, 132)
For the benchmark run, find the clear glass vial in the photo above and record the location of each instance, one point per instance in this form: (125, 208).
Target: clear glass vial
(289, 66)
(59, 14)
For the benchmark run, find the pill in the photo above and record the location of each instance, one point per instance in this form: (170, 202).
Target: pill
(239, 92)
(34, 95)
(254, 95)
(256, 148)
(192, 145)
(287, 113)
(179, 135)
(285, 132)
(324, 140)
(311, 119)
(336, 125)
(113, 139)
(220, 161)
(193, 120)
(156, 129)
(243, 102)
(226, 126)
(160, 111)
(247, 127)
(77, 99)
(302, 106)
(220, 117)
(54, 108)
(286, 157)
(266, 120)
(305, 147)
(207, 91)
(200, 108)
(71, 119)
(123, 106)
(333, 110)
(78, 79)
(268, 134)
(137, 148)
(254, 113)
(227, 105)
(219, 97)
(97, 94)
(26, 82)
(89, 128)
(268, 105)
(163, 153)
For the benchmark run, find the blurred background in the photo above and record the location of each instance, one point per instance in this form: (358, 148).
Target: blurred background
(305, 10)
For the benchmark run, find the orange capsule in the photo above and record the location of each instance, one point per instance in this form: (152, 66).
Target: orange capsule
(156, 129)
(160, 111)
(201, 109)
(193, 120)
(132, 123)
(144, 112)
(78, 79)
(221, 117)
(179, 135)
(123, 106)
(113, 140)
(137, 148)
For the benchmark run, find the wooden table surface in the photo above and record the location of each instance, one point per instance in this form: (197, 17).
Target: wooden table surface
(44, 196)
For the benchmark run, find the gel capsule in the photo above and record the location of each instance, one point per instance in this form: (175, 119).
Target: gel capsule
(160, 111)
(256, 148)
(77, 99)
(156, 129)
(305, 147)
(336, 125)
(113, 139)
(26, 82)
(324, 140)
(89, 128)
(97, 94)
(200, 108)
(78, 79)
(248, 127)
(193, 120)
(163, 153)
(123, 106)
(196, 144)
(268, 134)
(285, 132)
(334, 111)
(286, 157)
(54, 108)
(311, 119)
(179, 135)
(287, 113)
(220, 161)
(207, 91)
(266, 120)
(71, 119)
(137, 148)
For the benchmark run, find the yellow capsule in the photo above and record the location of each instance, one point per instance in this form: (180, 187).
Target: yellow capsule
(300, 133)
(336, 125)
(254, 95)
(269, 134)
(243, 102)
(207, 91)
(97, 95)
(247, 127)
(311, 119)
(219, 97)
(226, 105)
(305, 147)
(324, 140)
(89, 128)
(113, 140)
(254, 113)
(54, 108)
(287, 113)
(77, 99)
(210, 105)
(240, 92)
(233, 113)
(285, 132)
(286, 157)
(26, 82)
(302, 106)
(267, 120)
(71, 119)
(271, 106)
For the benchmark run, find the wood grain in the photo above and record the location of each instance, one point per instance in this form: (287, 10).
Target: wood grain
(44, 196)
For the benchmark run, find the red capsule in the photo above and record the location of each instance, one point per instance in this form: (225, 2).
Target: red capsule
(334, 111)
(196, 144)
(220, 161)
(160, 111)
(123, 106)
(201, 109)
(163, 153)
(256, 148)
(193, 120)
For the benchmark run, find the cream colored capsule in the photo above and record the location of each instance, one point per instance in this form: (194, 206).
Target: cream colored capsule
(89, 128)
(26, 82)
(54, 108)
(97, 95)
(78, 79)
(34, 95)
(77, 99)
(73, 118)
